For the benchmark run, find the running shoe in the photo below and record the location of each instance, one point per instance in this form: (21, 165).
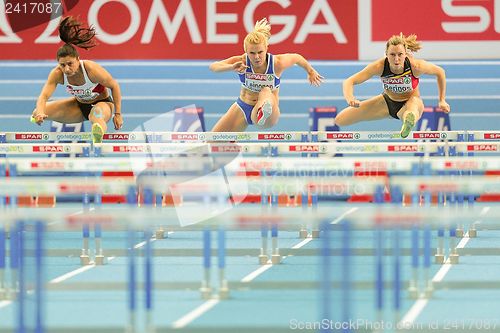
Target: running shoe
(97, 133)
(408, 124)
(264, 112)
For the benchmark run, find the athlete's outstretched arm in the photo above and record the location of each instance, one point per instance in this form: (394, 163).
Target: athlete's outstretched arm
(424, 67)
(47, 91)
(372, 69)
(289, 59)
(236, 63)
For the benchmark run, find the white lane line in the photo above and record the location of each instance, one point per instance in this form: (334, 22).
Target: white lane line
(341, 217)
(412, 314)
(185, 320)
(256, 273)
(301, 244)
(71, 274)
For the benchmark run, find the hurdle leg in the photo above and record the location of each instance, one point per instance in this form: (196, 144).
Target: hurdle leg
(14, 262)
(148, 280)
(131, 325)
(453, 256)
(439, 256)
(304, 202)
(314, 202)
(84, 257)
(413, 289)
(160, 231)
(263, 257)
(473, 230)
(2, 263)
(429, 287)
(275, 256)
(99, 256)
(206, 290)
(221, 255)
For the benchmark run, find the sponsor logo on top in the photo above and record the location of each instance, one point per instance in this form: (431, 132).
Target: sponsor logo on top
(186, 136)
(344, 136)
(462, 165)
(402, 148)
(116, 136)
(430, 135)
(492, 136)
(274, 136)
(305, 148)
(31, 136)
(131, 149)
(48, 165)
(482, 147)
(52, 149)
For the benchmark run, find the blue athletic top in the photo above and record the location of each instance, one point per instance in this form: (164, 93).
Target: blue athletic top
(255, 81)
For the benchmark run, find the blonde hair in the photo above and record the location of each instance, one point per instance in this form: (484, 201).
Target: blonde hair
(409, 42)
(260, 34)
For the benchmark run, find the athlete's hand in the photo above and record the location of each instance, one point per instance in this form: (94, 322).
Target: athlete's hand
(314, 78)
(354, 103)
(444, 106)
(38, 118)
(239, 67)
(118, 121)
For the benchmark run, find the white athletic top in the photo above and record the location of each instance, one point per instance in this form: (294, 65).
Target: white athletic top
(86, 92)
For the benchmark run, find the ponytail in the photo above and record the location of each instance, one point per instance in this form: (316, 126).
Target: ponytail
(72, 33)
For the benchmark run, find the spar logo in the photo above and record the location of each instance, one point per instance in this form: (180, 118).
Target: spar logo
(131, 149)
(256, 76)
(228, 149)
(274, 136)
(117, 136)
(403, 148)
(345, 136)
(51, 149)
(492, 136)
(79, 188)
(185, 136)
(29, 136)
(482, 147)
(430, 135)
(304, 148)
(462, 165)
(48, 165)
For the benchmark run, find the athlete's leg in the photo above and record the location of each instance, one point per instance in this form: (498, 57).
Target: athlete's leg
(233, 121)
(266, 111)
(64, 111)
(99, 116)
(371, 109)
(410, 113)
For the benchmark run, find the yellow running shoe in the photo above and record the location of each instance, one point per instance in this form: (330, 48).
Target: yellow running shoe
(97, 133)
(408, 124)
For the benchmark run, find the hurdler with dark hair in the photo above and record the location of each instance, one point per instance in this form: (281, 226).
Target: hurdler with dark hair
(85, 80)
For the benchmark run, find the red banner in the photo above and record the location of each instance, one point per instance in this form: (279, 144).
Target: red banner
(182, 29)
(435, 20)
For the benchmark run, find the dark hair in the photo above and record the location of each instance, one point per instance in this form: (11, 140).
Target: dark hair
(73, 34)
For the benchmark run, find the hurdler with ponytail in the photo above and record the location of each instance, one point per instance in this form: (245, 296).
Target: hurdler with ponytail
(399, 72)
(95, 94)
